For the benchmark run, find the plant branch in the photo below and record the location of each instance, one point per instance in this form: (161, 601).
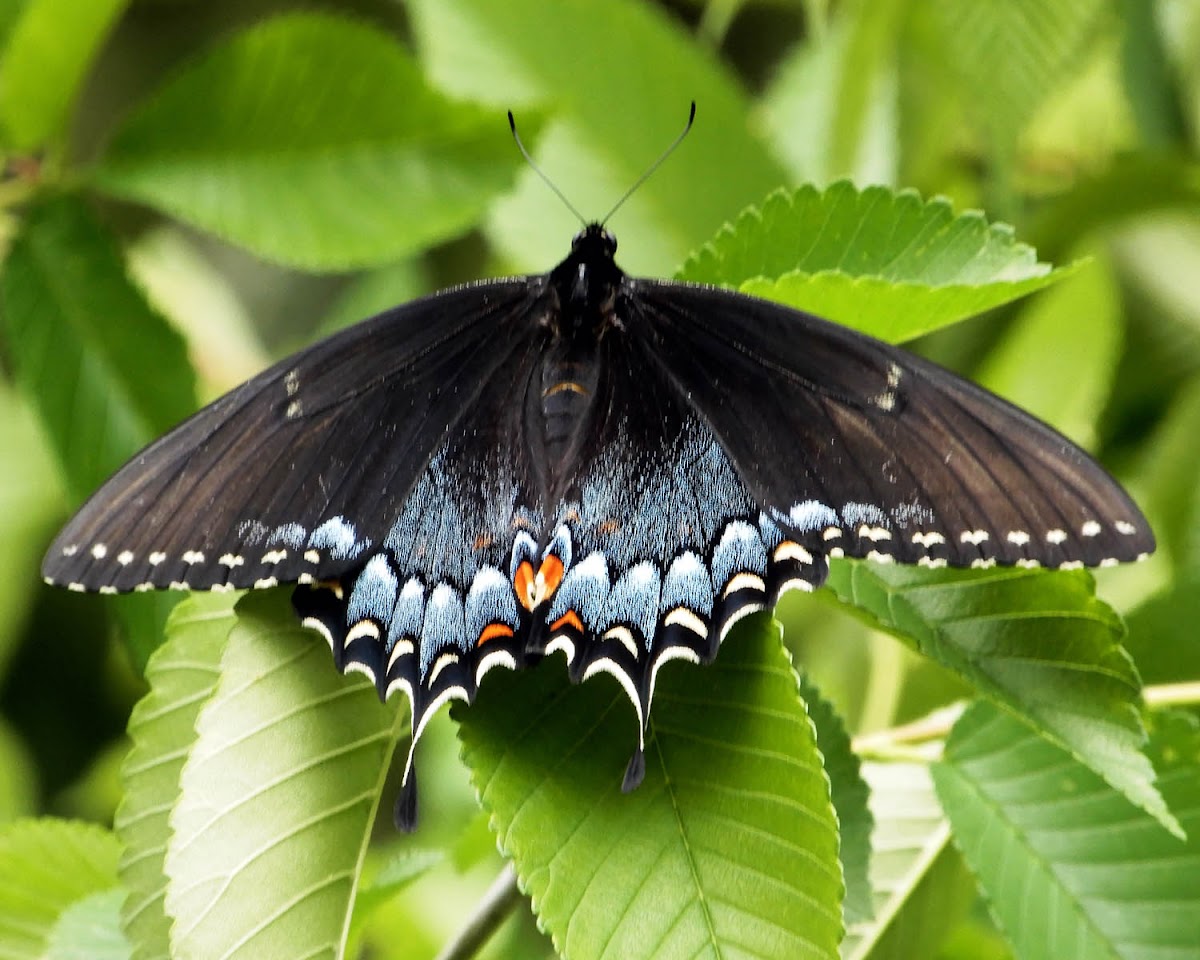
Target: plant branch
(500, 900)
(937, 724)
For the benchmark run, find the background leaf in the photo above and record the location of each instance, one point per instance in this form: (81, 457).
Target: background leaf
(849, 794)
(90, 929)
(883, 262)
(513, 54)
(1027, 366)
(1036, 642)
(1077, 124)
(1023, 47)
(1070, 867)
(30, 503)
(43, 65)
(919, 884)
(729, 846)
(45, 867)
(104, 370)
(311, 139)
(277, 797)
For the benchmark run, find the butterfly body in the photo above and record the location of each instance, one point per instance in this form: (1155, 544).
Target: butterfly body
(582, 462)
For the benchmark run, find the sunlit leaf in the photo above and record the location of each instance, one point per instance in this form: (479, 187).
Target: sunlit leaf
(182, 674)
(729, 847)
(919, 885)
(277, 797)
(883, 262)
(90, 929)
(45, 867)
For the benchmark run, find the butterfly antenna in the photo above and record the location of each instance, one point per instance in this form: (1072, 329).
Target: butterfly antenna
(654, 166)
(512, 124)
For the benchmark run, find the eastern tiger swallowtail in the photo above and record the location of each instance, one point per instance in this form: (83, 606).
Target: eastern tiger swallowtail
(619, 469)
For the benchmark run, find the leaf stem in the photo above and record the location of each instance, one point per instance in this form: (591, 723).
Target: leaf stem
(1173, 694)
(491, 911)
(932, 726)
(937, 724)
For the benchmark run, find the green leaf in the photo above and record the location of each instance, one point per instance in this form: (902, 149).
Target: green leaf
(49, 50)
(1079, 319)
(1129, 187)
(182, 674)
(1070, 867)
(831, 105)
(524, 52)
(729, 846)
(849, 793)
(919, 884)
(404, 868)
(31, 501)
(1038, 643)
(887, 263)
(1172, 482)
(1025, 48)
(10, 13)
(18, 776)
(45, 866)
(1162, 634)
(103, 369)
(277, 797)
(90, 929)
(312, 140)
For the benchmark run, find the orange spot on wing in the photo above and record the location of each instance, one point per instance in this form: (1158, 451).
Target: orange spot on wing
(568, 619)
(523, 584)
(494, 630)
(551, 574)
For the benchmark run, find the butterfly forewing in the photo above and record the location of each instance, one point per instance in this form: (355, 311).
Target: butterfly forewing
(863, 449)
(298, 473)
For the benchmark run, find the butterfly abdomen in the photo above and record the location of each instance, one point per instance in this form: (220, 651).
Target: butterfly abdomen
(567, 393)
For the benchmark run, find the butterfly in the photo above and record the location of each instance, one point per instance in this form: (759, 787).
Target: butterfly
(584, 462)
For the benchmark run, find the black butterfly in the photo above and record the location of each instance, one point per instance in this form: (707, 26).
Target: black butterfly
(616, 468)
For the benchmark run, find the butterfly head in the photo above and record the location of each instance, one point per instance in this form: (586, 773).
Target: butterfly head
(594, 242)
(586, 282)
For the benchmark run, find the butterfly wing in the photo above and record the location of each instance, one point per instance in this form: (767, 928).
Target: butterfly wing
(860, 448)
(296, 474)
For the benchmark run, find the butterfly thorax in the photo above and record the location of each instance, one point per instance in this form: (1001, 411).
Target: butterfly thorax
(585, 285)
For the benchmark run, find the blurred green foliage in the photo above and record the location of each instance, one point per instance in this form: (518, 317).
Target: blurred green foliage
(192, 188)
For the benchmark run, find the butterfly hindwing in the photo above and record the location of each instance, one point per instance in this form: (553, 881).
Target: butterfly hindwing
(639, 545)
(862, 449)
